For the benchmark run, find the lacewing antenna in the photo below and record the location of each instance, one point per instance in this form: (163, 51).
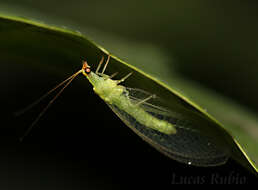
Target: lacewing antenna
(22, 111)
(70, 79)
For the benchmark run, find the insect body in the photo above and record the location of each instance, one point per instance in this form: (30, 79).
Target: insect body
(161, 128)
(114, 94)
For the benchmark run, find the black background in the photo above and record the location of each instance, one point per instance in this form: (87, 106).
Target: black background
(79, 143)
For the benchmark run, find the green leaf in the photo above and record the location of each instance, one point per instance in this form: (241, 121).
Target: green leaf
(60, 50)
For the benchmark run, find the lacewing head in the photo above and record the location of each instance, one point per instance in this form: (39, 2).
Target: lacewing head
(86, 67)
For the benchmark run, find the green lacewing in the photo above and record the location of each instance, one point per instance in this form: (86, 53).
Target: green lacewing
(161, 128)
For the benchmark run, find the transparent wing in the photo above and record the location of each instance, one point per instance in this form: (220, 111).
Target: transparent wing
(137, 95)
(187, 145)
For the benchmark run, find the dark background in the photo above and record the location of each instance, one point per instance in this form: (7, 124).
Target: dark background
(80, 143)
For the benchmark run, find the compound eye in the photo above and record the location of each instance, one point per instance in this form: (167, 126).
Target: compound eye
(87, 70)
